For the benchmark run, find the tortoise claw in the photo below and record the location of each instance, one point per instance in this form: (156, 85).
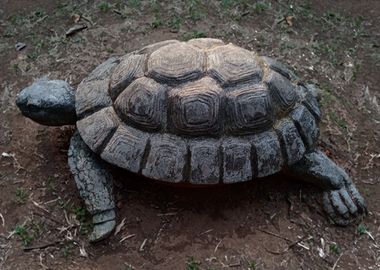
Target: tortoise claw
(344, 205)
(104, 224)
(102, 231)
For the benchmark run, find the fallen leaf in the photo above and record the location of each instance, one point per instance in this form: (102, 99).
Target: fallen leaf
(289, 20)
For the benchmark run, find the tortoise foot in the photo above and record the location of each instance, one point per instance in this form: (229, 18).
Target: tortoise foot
(344, 205)
(102, 231)
(104, 224)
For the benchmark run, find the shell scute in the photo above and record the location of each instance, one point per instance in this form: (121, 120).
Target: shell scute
(126, 148)
(194, 108)
(166, 159)
(141, 104)
(249, 110)
(175, 63)
(231, 65)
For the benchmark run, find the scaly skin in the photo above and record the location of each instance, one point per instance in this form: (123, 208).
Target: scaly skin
(341, 199)
(94, 183)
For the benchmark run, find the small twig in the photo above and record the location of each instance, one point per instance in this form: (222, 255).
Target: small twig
(234, 264)
(126, 237)
(143, 245)
(36, 204)
(120, 226)
(43, 246)
(2, 219)
(50, 216)
(159, 232)
(67, 219)
(217, 246)
(291, 245)
(210, 230)
(117, 11)
(167, 214)
(336, 262)
(275, 235)
(42, 19)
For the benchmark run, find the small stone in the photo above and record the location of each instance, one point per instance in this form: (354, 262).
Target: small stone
(75, 28)
(20, 46)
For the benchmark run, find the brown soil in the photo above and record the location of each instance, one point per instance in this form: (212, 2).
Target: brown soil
(272, 223)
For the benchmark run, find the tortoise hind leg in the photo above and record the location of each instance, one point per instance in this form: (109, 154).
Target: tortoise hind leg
(94, 183)
(341, 199)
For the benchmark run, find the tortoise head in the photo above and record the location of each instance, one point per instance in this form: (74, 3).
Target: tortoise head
(48, 102)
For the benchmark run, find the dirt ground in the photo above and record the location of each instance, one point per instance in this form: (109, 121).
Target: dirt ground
(272, 223)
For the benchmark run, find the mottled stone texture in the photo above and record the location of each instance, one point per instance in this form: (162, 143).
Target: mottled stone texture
(280, 68)
(94, 183)
(130, 67)
(91, 176)
(205, 43)
(231, 65)
(98, 128)
(48, 102)
(205, 162)
(282, 91)
(249, 110)
(341, 199)
(126, 148)
(167, 158)
(268, 154)
(306, 125)
(237, 161)
(194, 108)
(92, 93)
(309, 99)
(175, 63)
(142, 104)
(201, 111)
(292, 144)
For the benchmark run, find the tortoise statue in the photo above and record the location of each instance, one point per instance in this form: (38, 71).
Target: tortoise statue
(200, 112)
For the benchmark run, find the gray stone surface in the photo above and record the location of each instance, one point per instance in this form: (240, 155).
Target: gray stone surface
(94, 183)
(280, 68)
(282, 92)
(126, 148)
(104, 70)
(306, 125)
(155, 46)
(237, 156)
(141, 104)
(194, 109)
(341, 199)
(231, 65)
(97, 129)
(166, 159)
(175, 63)
(48, 102)
(205, 43)
(92, 96)
(268, 154)
(249, 110)
(205, 162)
(291, 142)
(92, 93)
(131, 66)
(309, 100)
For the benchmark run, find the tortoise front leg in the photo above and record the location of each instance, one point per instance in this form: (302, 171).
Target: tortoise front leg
(94, 183)
(341, 199)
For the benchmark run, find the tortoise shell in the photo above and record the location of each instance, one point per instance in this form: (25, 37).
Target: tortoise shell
(201, 111)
